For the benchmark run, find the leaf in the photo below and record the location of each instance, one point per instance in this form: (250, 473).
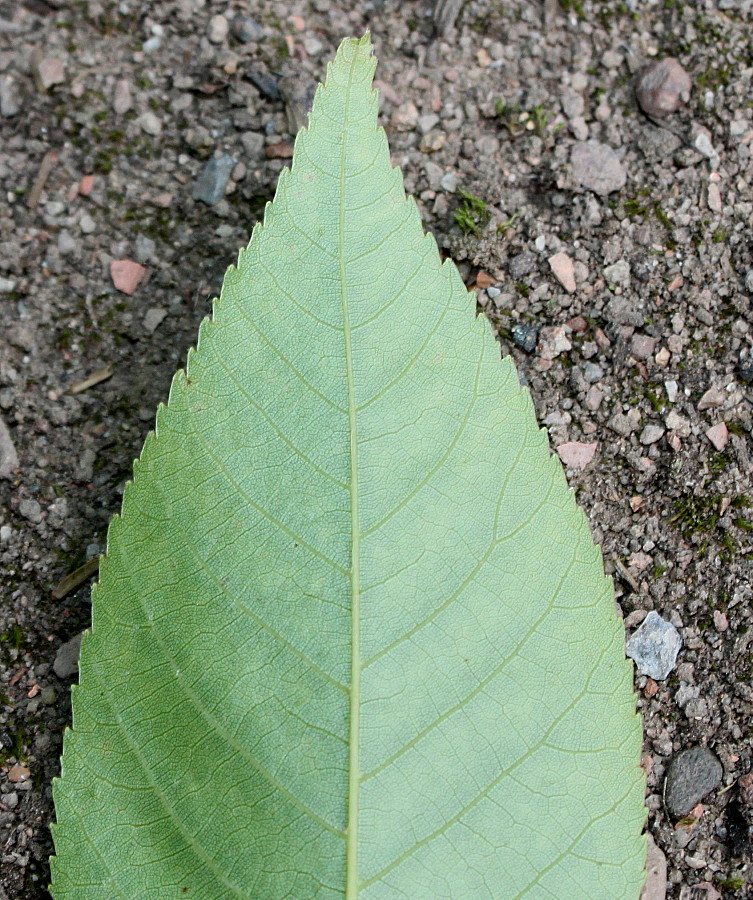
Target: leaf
(352, 638)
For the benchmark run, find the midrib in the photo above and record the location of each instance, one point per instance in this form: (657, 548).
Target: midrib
(354, 772)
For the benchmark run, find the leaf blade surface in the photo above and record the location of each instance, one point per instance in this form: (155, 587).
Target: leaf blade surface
(351, 634)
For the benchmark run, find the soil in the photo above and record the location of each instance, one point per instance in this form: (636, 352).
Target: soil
(651, 349)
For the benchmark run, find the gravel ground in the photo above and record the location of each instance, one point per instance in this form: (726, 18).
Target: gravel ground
(611, 253)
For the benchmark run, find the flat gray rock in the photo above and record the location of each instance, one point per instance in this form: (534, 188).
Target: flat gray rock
(8, 455)
(654, 647)
(211, 183)
(66, 659)
(691, 775)
(597, 168)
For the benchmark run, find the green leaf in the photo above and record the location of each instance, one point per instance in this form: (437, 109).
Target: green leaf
(352, 638)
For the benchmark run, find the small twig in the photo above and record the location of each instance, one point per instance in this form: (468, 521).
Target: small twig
(35, 194)
(73, 579)
(626, 575)
(91, 380)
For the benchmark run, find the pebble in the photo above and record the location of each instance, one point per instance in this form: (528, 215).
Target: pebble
(662, 87)
(8, 455)
(714, 198)
(642, 346)
(145, 249)
(122, 100)
(253, 144)
(554, 340)
(48, 72)
(212, 181)
(592, 372)
(18, 774)
(671, 387)
(576, 454)
(217, 29)
(149, 123)
(47, 695)
(718, 435)
(691, 775)
(30, 510)
(66, 659)
(246, 29)
(745, 369)
(597, 168)
(654, 647)
(7, 285)
(153, 318)
(655, 886)
(618, 273)
(625, 425)
(713, 398)
(10, 97)
(525, 336)
(67, 243)
(87, 224)
(651, 434)
(449, 182)
(562, 267)
(126, 275)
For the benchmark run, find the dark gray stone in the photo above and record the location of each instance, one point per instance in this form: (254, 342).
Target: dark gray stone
(246, 29)
(522, 264)
(745, 369)
(66, 659)
(211, 183)
(525, 336)
(691, 775)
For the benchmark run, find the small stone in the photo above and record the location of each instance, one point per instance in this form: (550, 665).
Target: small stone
(67, 244)
(8, 455)
(721, 622)
(210, 186)
(217, 29)
(576, 454)
(18, 774)
(253, 144)
(642, 346)
(153, 318)
(714, 198)
(651, 434)
(312, 45)
(145, 249)
(48, 72)
(86, 185)
(745, 369)
(126, 275)
(10, 800)
(149, 124)
(625, 425)
(592, 372)
(283, 150)
(554, 340)
(405, 117)
(671, 387)
(596, 167)
(749, 281)
(66, 659)
(47, 695)
(718, 435)
(87, 224)
(594, 396)
(654, 647)
(245, 29)
(121, 100)
(618, 273)
(662, 87)
(449, 182)
(712, 399)
(655, 885)
(663, 357)
(525, 336)
(7, 285)
(691, 775)
(30, 510)
(562, 267)
(10, 97)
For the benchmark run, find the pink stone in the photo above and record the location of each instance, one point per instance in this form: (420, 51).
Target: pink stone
(576, 454)
(662, 87)
(85, 185)
(718, 435)
(126, 275)
(564, 271)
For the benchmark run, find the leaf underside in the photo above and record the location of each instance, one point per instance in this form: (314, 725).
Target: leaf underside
(352, 638)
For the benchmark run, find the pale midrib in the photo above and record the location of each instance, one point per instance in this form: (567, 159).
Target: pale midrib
(354, 771)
